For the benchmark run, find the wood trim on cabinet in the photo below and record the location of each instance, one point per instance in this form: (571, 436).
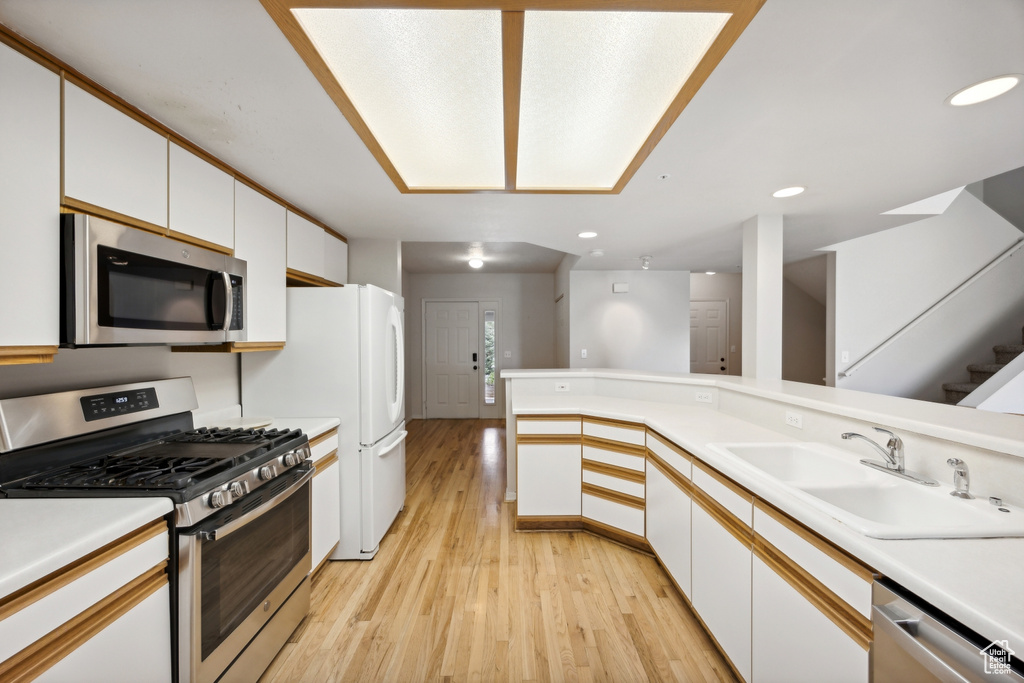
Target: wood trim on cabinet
(316, 441)
(296, 278)
(548, 439)
(671, 445)
(26, 355)
(614, 496)
(323, 463)
(680, 481)
(230, 347)
(614, 446)
(78, 206)
(740, 531)
(620, 536)
(195, 241)
(549, 523)
(54, 581)
(635, 476)
(853, 623)
(560, 417)
(26, 49)
(724, 480)
(612, 422)
(848, 562)
(512, 80)
(43, 654)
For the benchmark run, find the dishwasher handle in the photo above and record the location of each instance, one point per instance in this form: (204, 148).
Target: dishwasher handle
(909, 633)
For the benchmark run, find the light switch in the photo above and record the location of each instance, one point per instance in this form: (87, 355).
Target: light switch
(583, 353)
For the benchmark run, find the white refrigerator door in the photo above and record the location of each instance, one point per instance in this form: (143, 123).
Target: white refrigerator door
(383, 468)
(382, 367)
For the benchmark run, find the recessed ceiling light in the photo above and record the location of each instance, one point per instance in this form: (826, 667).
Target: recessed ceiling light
(597, 252)
(476, 263)
(986, 90)
(788, 192)
(709, 272)
(587, 235)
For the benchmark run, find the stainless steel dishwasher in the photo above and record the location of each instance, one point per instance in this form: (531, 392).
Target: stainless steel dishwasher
(915, 642)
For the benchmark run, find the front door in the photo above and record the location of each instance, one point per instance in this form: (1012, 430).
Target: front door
(451, 336)
(709, 336)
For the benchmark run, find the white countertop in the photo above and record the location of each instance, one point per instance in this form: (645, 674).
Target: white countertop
(976, 581)
(39, 536)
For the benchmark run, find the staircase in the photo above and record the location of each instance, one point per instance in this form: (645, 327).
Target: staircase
(980, 372)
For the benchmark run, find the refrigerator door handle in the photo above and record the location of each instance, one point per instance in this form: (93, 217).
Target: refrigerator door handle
(398, 380)
(394, 444)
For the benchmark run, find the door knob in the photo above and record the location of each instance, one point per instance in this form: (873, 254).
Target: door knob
(722, 360)
(723, 368)
(474, 367)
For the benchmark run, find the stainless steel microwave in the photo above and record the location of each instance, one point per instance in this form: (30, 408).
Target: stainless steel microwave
(121, 285)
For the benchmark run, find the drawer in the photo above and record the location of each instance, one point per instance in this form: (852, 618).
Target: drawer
(323, 445)
(623, 432)
(629, 461)
(728, 494)
(605, 479)
(840, 573)
(613, 514)
(548, 424)
(670, 454)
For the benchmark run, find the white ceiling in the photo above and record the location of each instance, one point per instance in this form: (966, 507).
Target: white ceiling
(498, 257)
(844, 96)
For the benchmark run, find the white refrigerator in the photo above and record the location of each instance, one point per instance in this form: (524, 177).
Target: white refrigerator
(344, 357)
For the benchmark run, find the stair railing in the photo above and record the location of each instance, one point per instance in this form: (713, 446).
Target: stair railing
(863, 360)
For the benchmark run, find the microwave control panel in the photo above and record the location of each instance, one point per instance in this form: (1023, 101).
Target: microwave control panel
(103, 406)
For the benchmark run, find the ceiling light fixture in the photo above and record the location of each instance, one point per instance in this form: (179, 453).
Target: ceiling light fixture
(986, 90)
(788, 192)
(709, 272)
(597, 252)
(476, 263)
(645, 262)
(587, 235)
(552, 97)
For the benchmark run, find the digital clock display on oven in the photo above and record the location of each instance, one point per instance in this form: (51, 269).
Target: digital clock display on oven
(103, 406)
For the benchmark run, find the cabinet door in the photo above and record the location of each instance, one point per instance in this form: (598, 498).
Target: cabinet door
(793, 641)
(721, 587)
(336, 256)
(326, 511)
(29, 202)
(113, 161)
(201, 199)
(550, 480)
(260, 241)
(306, 242)
(668, 526)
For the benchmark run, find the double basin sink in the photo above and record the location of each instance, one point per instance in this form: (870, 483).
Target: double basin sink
(871, 502)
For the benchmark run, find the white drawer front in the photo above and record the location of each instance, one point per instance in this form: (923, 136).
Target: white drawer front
(635, 436)
(547, 426)
(325, 447)
(631, 462)
(607, 481)
(741, 507)
(613, 514)
(678, 462)
(855, 590)
(28, 625)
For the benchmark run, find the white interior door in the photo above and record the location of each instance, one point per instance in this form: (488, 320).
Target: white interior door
(709, 337)
(452, 362)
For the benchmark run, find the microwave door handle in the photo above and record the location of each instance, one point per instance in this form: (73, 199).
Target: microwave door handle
(229, 301)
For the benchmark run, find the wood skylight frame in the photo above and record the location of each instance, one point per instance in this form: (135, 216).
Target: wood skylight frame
(512, 43)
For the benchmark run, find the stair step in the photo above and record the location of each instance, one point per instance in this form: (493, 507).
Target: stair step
(982, 372)
(957, 391)
(1007, 352)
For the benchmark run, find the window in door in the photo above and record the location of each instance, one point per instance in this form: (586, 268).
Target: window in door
(489, 357)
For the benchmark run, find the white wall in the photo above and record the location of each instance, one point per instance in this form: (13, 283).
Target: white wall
(647, 328)
(562, 299)
(215, 375)
(727, 287)
(885, 280)
(803, 336)
(375, 262)
(526, 326)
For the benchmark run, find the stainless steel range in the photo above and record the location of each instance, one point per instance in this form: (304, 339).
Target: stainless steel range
(240, 551)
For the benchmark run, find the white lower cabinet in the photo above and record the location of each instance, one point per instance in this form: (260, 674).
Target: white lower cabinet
(668, 526)
(326, 510)
(793, 641)
(550, 480)
(722, 587)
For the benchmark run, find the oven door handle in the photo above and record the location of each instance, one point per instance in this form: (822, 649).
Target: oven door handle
(220, 532)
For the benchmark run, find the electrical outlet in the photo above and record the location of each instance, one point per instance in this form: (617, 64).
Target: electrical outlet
(561, 386)
(583, 353)
(702, 396)
(794, 419)
(508, 354)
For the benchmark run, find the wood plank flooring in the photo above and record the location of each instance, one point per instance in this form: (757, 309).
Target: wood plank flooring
(455, 594)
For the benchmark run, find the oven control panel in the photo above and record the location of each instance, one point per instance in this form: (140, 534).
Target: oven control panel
(102, 406)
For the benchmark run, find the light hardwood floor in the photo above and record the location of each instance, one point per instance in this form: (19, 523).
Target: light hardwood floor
(455, 594)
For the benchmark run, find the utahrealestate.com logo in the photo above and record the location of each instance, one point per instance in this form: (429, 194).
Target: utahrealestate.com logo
(997, 657)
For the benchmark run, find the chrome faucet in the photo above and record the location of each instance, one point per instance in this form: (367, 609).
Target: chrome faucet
(894, 460)
(961, 479)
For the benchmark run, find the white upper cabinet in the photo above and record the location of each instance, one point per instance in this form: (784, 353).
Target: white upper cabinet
(29, 203)
(336, 256)
(260, 241)
(112, 161)
(201, 199)
(306, 242)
